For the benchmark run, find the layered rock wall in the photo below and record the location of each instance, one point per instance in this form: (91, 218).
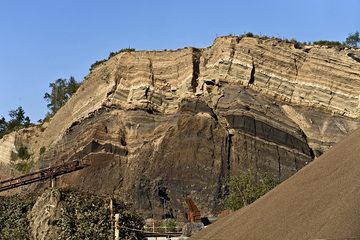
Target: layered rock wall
(178, 123)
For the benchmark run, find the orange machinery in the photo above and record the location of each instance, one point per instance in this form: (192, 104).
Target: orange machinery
(193, 213)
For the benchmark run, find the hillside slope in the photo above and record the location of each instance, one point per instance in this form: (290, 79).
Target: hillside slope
(321, 201)
(180, 122)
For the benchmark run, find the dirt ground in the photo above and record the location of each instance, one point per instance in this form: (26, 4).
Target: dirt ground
(321, 201)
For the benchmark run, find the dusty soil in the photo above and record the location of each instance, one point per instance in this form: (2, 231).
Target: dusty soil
(321, 201)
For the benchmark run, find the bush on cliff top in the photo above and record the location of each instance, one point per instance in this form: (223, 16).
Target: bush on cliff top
(353, 40)
(111, 54)
(328, 43)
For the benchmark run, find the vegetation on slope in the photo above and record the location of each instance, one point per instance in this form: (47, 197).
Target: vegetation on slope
(110, 56)
(87, 216)
(14, 223)
(83, 216)
(246, 187)
(353, 40)
(17, 121)
(61, 92)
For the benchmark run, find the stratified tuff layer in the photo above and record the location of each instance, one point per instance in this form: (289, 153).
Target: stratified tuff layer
(178, 123)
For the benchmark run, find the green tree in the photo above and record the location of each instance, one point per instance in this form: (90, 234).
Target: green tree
(72, 86)
(18, 120)
(3, 126)
(246, 187)
(61, 91)
(353, 39)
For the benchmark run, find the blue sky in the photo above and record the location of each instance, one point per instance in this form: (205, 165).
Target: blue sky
(43, 40)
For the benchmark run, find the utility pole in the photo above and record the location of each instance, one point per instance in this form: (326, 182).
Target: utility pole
(117, 226)
(52, 181)
(111, 208)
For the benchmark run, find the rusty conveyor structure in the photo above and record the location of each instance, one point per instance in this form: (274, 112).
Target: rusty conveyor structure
(42, 174)
(193, 214)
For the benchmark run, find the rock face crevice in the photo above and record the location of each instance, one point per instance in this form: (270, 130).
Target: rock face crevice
(188, 119)
(229, 145)
(252, 73)
(196, 69)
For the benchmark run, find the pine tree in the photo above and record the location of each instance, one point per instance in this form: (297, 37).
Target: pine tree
(353, 39)
(61, 91)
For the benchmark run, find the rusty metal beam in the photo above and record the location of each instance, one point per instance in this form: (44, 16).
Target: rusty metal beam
(42, 174)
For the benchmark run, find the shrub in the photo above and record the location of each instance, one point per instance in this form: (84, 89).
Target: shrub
(110, 56)
(86, 216)
(246, 187)
(14, 223)
(23, 153)
(97, 63)
(83, 216)
(328, 43)
(24, 166)
(169, 224)
(297, 44)
(42, 150)
(120, 51)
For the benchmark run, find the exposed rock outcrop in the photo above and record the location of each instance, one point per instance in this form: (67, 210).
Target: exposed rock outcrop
(183, 121)
(44, 214)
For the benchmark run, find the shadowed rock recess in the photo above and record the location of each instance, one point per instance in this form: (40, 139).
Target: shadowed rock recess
(183, 121)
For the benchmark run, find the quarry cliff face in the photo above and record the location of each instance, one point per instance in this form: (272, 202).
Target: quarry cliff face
(178, 123)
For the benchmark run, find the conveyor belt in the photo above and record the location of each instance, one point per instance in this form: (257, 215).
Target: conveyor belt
(43, 174)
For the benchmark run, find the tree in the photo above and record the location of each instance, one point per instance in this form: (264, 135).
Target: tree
(246, 187)
(18, 119)
(61, 91)
(72, 86)
(3, 126)
(353, 39)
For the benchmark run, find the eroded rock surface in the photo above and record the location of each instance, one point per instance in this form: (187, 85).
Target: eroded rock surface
(43, 215)
(159, 126)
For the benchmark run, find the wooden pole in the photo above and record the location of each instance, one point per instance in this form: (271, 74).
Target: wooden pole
(111, 207)
(53, 179)
(117, 226)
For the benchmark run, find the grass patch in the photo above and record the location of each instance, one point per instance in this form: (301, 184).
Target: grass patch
(24, 166)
